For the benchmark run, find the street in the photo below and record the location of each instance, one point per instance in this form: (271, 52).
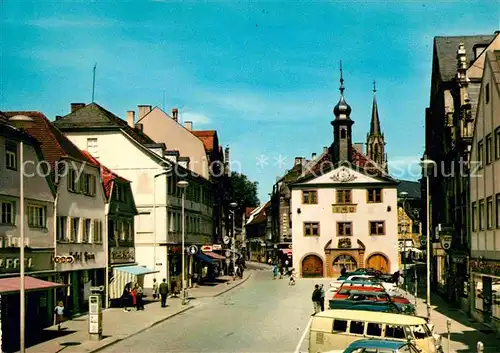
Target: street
(262, 315)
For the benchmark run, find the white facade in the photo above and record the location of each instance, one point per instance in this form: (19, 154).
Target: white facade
(324, 251)
(80, 218)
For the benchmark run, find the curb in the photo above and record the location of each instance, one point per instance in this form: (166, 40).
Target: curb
(234, 286)
(142, 330)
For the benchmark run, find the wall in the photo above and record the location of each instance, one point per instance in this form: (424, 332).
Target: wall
(36, 192)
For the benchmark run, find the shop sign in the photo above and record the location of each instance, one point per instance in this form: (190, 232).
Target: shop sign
(217, 247)
(343, 209)
(33, 261)
(174, 249)
(118, 255)
(81, 256)
(206, 248)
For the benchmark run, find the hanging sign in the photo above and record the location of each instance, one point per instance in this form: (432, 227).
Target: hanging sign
(205, 248)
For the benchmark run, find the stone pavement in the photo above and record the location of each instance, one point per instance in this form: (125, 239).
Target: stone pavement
(118, 325)
(464, 333)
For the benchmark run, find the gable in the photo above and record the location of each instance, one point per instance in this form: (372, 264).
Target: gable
(344, 174)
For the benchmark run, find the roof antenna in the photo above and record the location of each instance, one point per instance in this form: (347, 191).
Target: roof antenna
(93, 83)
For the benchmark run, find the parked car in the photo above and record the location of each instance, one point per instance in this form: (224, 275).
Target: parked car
(403, 305)
(379, 346)
(389, 287)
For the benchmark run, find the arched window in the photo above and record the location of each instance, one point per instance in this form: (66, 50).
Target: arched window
(346, 261)
(343, 133)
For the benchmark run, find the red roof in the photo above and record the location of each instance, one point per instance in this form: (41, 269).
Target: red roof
(108, 176)
(248, 211)
(54, 144)
(207, 137)
(262, 215)
(13, 284)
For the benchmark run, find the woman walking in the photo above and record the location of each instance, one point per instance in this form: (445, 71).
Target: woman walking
(59, 312)
(133, 293)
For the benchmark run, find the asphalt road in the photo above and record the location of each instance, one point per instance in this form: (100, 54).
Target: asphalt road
(261, 315)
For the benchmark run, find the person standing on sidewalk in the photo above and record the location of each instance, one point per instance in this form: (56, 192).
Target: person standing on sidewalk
(316, 298)
(140, 296)
(163, 293)
(59, 312)
(126, 297)
(322, 302)
(133, 293)
(155, 289)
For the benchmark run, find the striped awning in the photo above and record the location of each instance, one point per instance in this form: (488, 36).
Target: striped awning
(126, 274)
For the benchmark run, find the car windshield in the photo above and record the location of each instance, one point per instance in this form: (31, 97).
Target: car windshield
(420, 331)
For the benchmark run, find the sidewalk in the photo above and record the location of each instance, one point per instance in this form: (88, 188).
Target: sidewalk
(464, 333)
(118, 325)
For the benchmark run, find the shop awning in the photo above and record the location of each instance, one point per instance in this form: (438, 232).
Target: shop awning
(287, 251)
(205, 258)
(214, 255)
(136, 270)
(13, 285)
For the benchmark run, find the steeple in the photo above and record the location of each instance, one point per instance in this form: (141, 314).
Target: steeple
(342, 127)
(375, 144)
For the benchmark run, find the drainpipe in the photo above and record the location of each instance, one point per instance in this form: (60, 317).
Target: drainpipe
(54, 294)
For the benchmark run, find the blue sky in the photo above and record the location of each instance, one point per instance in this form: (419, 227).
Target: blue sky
(265, 75)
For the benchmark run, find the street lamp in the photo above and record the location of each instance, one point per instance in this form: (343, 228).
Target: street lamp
(404, 195)
(233, 205)
(165, 172)
(21, 122)
(426, 165)
(183, 185)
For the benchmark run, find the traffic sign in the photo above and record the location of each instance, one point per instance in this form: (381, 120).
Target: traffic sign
(226, 239)
(97, 289)
(228, 253)
(193, 249)
(206, 248)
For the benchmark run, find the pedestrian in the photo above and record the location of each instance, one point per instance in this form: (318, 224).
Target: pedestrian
(395, 278)
(140, 296)
(155, 289)
(163, 289)
(291, 282)
(133, 293)
(281, 271)
(126, 297)
(343, 271)
(59, 312)
(275, 271)
(316, 298)
(322, 302)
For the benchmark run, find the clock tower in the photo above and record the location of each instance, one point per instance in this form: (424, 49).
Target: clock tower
(342, 127)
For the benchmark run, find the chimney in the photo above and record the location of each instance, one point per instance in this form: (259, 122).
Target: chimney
(131, 118)
(298, 160)
(139, 127)
(58, 117)
(189, 125)
(175, 114)
(143, 110)
(313, 156)
(325, 149)
(76, 106)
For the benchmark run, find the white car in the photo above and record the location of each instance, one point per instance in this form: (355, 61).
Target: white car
(390, 288)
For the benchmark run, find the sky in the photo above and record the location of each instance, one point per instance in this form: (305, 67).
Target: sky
(264, 75)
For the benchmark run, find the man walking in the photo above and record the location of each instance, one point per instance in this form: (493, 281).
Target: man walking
(316, 299)
(322, 302)
(163, 293)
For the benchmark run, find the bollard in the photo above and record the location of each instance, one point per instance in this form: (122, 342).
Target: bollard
(448, 329)
(480, 347)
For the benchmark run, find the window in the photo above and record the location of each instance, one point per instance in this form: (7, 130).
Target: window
(377, 228)
(497, 210)
(10, 155)
(373, 329)
(7, 215)
(120, 192)
(75, 228)
(37, 216)
(310, 196)
(481, 214)
(72, 180)
(357, 327)
(97, 231)
(474, 216)
(86, 231)
(344, 228)
(344, 196)
(346, 261)
(488, 149)
(311, 229)
(487, 93)
(90, 184)
(339, 325)
(343, 133)
(395, 332)
(374, 195)
(489, 212)
(497, 143)
(92, 147)
(61, 228)
(480, 152)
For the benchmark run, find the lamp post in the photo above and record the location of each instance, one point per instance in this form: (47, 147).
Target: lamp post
(183, 185)
(426, 164)
(21, 122)
(404, 195)
(166, 171)
(233, 205)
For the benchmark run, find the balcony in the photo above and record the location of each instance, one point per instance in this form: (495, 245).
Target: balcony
(344, 208)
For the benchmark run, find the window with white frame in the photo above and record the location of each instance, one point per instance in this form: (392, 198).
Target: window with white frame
(10, 155)
(86, 231)
(72, 180)
(37, 216)
(75, 229)
(92, 147)
(7, 213)
(61, 230)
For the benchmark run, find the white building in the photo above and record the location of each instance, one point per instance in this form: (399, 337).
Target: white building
(343, 209)
(132, 154)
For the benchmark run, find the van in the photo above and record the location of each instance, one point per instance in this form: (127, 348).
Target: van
(336, 329)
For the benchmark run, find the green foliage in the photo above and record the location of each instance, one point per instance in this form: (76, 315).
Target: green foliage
(242, 191)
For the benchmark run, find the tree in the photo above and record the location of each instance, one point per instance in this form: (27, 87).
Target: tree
(242, 191)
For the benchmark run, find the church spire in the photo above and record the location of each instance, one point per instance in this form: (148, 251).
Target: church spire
(375, 144)
(375, 121)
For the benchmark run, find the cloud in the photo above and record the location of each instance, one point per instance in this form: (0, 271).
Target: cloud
(196, 118)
